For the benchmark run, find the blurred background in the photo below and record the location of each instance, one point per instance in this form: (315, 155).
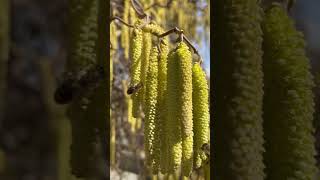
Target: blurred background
(35, 134)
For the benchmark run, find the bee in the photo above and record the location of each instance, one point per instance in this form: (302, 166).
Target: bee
(79, 85)
(133, 89)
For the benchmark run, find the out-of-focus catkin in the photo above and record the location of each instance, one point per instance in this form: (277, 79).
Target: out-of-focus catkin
(151, 137)
(135, 69)
(288, 103)
(237, 91)
(200, 102)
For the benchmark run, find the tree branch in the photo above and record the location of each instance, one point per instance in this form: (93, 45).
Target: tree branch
(121, 20)
(156, 4)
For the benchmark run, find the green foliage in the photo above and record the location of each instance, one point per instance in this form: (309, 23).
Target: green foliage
(288, 103)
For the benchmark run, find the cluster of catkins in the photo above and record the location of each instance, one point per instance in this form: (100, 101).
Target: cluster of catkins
(173, 96)
(262, 95)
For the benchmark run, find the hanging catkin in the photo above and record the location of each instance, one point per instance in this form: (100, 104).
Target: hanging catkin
(146, 48)
(237, 90)
(82, 29)
(288, 102)
(173, 125)
(162, 108)
(200, 100)
(155, 29)
(125, 30)
(135, 69)
(151, 127)
(184, 58)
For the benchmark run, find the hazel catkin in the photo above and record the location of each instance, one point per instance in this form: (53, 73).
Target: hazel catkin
(173, 124)
(184, 58)
(135, 69)
(237, 91)
(288, 87)
(151, 127)
(200, 100)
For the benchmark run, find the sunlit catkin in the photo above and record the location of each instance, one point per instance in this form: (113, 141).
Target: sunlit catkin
(151, 139)
(135, 69)
(155, 29)
(173, 124)
(200, 100)
(288, 103)
(125, 30)
(162, 108)
(237, 90)
(184, 69)
(146, 48)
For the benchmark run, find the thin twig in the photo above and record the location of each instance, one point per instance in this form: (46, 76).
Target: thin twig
(138, 8)
(121, 20)
(194, 49)
(182, 37)
(173, 30)
(156, 4)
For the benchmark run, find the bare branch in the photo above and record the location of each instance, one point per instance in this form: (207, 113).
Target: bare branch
(175, 30)
(138, 8)
(121, 20)
(156, 4)
(193, 48)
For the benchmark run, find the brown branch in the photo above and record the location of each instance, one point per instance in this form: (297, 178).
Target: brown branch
(156, 4)
(121, 20)
(193, 48)
(138, 8)
(175, 30)
(182, 37)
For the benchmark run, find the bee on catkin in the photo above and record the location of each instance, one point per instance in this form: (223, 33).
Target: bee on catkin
(288, 87)
(173, 125)
(184, 58)
(200, 102)
(135, 69)
(237, 91)
(151, 127)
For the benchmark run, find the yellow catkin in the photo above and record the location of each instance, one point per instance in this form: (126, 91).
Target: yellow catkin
(82, 29)
(172, 125)
(114, 42)
(200, 100)
(131, 119)
(135, 56)
(125, 30)
(184, 58)
(151, 127)
(162, 108)
(146, 48)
